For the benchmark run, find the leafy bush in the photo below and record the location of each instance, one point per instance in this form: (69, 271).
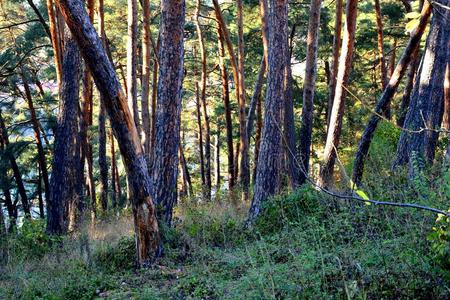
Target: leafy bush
(32, 241)
(440, 243)
(117, 257)
(287, 209)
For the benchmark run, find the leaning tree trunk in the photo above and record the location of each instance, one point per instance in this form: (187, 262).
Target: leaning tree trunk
(226, 103)
(309, 86)
(394, 81)
(269, 160)
(165, 158)
(335, 58)
(406, 97)
(337, 113)
(16, 172)
(206, 125)
(146, 225)
(66, 157)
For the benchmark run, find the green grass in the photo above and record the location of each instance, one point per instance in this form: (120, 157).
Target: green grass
(304, 246)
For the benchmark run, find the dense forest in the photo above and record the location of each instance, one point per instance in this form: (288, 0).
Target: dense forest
(224, 149)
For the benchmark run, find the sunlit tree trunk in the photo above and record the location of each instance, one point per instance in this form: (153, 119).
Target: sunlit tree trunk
(337, 113)
(55, 40)
(217, 158)
(269, 159)
(335, 58)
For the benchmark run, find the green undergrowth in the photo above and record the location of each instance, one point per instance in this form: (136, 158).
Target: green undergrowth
(304, 246)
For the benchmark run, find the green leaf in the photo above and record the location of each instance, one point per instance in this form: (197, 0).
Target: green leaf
(412, 15)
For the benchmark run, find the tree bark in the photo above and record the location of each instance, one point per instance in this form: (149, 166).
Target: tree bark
(66, 158)
(132, 57)
(217, 158)
(335, 59)
(337, 113)
(309, 87)
(268, 169)
(200, 136)
(388, 93)
(165, 165)
(207, 131)
(17, 175)
(146, 226)
(406, 97)
(259, 124)
(226, 103)
(427, 104)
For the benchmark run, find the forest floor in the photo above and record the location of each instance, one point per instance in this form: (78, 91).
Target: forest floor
(304, 246)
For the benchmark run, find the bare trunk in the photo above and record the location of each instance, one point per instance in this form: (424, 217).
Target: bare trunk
(132, 57)
(66, 158)
(337, 113)
(217, 158)
(269, 159)
(244, 168)
(335, 60)
(55, 40)
(114, 179)
(394, 81)
(146, 226)
(165, 158)
(406, 97)
(309, 87)
(259, 124)
(102, 161)
(200, 136)
(226, 103)
(186, 175)
(206, 125)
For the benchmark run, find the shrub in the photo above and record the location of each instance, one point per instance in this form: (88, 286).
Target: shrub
(117, 257)
(440, 244)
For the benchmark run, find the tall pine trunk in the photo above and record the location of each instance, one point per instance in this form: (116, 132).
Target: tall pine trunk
(146, 59)
(337, 113)
(335, 58)
(226, 103)
(132, 57)
(206, 124)
(244, 168)
(269, 160)
(66, 158)
(165, 158)
(309, 87)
